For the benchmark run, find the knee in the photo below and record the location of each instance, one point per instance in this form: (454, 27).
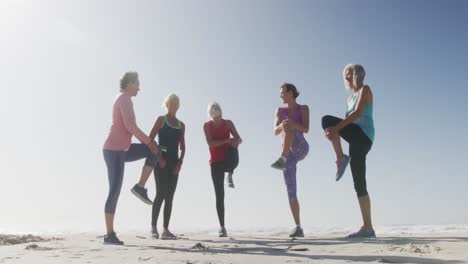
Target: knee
(292, 196)
(326, 121)
(151, 160)
(361, 191)
(161, 196)
(110, 206)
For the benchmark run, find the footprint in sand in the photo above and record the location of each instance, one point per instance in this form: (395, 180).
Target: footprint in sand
(36, 247)
(200, 246)
(144, 259)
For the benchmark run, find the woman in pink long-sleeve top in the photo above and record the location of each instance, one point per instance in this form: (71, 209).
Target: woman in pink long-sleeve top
(118, 149)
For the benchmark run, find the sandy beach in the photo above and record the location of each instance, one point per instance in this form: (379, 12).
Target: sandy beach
(204, 248)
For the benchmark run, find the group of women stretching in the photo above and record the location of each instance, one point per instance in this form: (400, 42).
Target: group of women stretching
(166, 157)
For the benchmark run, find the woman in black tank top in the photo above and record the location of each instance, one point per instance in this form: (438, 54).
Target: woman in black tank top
(170, 131)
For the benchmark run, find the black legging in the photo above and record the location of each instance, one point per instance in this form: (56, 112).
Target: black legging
(166, 184)
(359, 146)
(217, 175)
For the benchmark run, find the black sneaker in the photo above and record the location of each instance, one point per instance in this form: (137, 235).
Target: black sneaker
(142, 194)
(297, 232)
(112, 239)
(280, 164)
(222, 232)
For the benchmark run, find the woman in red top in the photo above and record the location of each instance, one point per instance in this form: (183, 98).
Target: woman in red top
(224, 156)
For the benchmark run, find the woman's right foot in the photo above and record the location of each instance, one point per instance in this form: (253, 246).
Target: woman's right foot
(280, 164)
(297, 232)
(167, 235)
(363, 233)
(141, 193)
(341, 166)
(112, 239)
(222, 232)
(154, 232)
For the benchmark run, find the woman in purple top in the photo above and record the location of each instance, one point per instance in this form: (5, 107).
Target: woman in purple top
(292, 122)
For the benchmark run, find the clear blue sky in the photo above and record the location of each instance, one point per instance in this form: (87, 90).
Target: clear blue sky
(61, 63)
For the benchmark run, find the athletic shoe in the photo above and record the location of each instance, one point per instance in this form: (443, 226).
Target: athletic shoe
(154, 232)
(297, 232)
(112, 239)
(222, 232)
(363, 233)
(280, 164)
(167, 235)
(142, 194)
(341, 167)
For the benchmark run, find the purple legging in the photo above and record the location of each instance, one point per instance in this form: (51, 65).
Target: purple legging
(299, 150)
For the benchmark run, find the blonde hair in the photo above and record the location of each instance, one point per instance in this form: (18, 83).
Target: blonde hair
(214, 110)
(171, 98)
(358, 75)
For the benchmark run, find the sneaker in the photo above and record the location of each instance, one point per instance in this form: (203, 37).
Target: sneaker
(363, 233)
(222, 232)
(112, 239)
(280, 164)
(341, 167)
(230, 181)
(142, 194)
(297, 232)
(167, 235)
(154, 232)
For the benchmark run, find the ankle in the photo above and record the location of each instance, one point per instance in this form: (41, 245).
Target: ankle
(339, 157)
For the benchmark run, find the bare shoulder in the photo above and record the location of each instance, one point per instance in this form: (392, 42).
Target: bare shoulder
(160, 119)
(367, 93)
(229, 123)
(366, 89)
(279, 111)
(305, 107)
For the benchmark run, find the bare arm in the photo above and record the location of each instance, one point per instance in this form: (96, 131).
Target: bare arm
(278, 126)
(233, 130)
(364, 96)
(182, 144)
(156, 127)
(128, 117)
(211, 142)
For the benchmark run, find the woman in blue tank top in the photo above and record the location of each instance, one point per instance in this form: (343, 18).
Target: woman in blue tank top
(358, 130)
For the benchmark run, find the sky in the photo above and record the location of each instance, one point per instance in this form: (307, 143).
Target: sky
(60, 68)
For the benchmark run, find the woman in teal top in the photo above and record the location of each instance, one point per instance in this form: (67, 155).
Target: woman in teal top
(358, 130)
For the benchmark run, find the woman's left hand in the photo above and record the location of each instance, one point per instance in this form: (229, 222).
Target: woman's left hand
(177, 168)
(289, 124)
(235, 142)
(331, 133)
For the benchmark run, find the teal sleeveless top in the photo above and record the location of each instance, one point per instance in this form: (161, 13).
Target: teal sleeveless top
(366, 120)
(169, 139)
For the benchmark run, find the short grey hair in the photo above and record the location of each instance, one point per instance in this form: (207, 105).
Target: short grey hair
(358, 75)
(214, 110)
(171, 98)
(127, 78)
